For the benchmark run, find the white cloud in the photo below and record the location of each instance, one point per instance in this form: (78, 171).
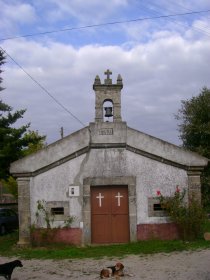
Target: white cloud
(18, 12)
(23, 13)
(161, 62)
(14, 14)
(156, 76)
(89, 12)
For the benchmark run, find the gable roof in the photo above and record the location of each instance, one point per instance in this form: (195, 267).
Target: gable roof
(54, 154)
(163, 151)
(83, 140)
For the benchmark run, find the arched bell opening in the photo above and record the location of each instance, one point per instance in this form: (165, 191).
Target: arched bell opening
(108, 111)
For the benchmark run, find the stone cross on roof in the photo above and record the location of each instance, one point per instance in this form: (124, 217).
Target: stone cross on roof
(108, 73)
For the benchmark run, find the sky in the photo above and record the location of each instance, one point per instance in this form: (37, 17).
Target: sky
(162, 60)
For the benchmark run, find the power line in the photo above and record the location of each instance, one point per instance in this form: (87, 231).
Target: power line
(43, 88)
(203, 28)
(103, 24)
(178, 23)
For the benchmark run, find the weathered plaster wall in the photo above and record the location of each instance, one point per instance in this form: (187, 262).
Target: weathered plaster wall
(53, 185)
(150, 176)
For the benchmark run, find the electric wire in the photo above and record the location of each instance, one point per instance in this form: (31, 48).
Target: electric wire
(156, 12)
(104, 24)
(201, 28)
(43, 88)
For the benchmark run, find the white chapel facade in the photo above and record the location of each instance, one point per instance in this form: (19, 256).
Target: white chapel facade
(106, 175)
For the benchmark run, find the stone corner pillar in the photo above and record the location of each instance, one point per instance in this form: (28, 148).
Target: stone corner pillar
(24, 212)
(194, 184)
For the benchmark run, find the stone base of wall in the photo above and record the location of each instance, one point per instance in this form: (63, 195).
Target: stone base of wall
(71, 236)
(168, 231)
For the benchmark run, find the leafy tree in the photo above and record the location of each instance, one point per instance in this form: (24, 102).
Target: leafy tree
(194, 128)
(10, 183)
(10, 186)
(11, 139)
(14, 142)
(35, 145)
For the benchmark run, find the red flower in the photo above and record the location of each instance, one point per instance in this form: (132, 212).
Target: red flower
(177, 189)
(158, 193)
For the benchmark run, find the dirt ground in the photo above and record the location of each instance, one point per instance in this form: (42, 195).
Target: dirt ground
(181, 266)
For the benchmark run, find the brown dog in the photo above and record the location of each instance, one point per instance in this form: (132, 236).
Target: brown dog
(110, 271)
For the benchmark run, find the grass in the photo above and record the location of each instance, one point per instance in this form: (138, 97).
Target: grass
(8, 248)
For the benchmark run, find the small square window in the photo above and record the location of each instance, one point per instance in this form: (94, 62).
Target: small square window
(57, 211)
(157, 207)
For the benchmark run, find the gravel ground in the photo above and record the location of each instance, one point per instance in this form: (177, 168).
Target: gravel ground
(194, 265)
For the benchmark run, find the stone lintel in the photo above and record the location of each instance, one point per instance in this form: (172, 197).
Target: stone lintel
(105, 87)
(195, 170)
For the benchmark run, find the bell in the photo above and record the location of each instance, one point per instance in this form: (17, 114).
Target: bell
(108, 112)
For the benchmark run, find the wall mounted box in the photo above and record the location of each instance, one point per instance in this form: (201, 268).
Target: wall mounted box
(73, 190)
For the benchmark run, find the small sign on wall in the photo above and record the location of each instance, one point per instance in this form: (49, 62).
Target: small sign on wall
(73, 190)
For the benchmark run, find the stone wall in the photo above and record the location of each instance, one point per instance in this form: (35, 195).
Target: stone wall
(70, 236)
(166, 231)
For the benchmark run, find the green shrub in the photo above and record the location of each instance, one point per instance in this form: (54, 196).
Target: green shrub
(43, 212)
(189, 216)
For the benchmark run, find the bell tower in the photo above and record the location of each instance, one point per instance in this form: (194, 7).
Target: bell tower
(107, 93)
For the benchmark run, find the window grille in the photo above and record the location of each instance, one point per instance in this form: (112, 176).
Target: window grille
(57, 211)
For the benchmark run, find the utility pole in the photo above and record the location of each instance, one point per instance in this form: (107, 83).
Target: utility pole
(61, 132)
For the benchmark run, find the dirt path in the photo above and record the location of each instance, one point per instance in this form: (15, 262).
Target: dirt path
(176, 266)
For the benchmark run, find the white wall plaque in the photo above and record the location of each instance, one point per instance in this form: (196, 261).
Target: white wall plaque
(73, 190)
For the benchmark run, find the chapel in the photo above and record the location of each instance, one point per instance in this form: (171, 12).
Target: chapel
(105, 177)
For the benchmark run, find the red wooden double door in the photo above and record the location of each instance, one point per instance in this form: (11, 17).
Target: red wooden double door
(109, 214)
